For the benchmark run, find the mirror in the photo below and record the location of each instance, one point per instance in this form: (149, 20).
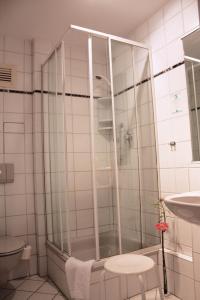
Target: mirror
(191, 45)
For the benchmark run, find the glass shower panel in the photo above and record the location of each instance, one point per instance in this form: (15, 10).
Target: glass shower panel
(103, 148)
(127, 146)
(79, 156)
(56, 230)
(45, 98)
(146, 147)
(54, 150)
(101, 179)
(60, 155)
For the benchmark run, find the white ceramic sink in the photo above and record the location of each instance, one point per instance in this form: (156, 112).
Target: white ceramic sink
(185, 206)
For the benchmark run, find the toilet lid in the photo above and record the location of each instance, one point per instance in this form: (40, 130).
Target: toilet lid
(10, 245)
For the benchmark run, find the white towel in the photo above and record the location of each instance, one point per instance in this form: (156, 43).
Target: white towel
(78, 278)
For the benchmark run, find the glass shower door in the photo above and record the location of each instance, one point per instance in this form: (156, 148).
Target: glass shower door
(102, 132)
(123, 177)
(126, 146)
(54, 150)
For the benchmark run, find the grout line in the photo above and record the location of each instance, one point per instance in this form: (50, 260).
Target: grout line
(30, 296)
(33, 292)
(37, 288)
(36, 291)
(27, 279)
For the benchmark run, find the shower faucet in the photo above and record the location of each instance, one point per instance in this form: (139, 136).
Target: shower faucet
(128, 137)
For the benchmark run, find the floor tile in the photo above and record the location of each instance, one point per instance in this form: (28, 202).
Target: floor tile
(138, 297)
(59, 297)
(18, 295)
(150, 295)
(30, 285)
(48, 288)
(13, 284)
(33, 287)
(4, 293)
(154, 295)
(36, 277)
(38, 296)
(172, 297)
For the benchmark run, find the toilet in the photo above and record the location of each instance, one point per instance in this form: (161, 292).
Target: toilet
(11, 249)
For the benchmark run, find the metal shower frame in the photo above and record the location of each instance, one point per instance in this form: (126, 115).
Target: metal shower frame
(92, 33)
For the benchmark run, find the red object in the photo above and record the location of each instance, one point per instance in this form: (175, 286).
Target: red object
(162, 226)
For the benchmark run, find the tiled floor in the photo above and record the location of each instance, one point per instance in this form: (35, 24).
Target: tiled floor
(154, 295)
(37, 288)
(33, 288)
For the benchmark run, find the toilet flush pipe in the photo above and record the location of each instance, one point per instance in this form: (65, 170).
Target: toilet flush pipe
(26, 256)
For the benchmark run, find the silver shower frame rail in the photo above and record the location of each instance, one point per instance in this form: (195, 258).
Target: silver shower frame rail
(109, 38)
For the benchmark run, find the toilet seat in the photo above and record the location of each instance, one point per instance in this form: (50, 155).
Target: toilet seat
(10, 245)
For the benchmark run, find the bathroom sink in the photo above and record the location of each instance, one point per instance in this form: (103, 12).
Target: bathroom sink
(185, 206)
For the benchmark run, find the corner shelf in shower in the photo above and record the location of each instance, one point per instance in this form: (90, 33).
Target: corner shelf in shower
(104, 168)
(108, 186)
(105, 128)
(106, 121)
(106, 124)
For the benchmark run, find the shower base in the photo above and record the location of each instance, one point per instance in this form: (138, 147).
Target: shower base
(84, 248)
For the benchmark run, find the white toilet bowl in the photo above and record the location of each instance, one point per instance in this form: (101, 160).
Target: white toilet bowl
(11, 250)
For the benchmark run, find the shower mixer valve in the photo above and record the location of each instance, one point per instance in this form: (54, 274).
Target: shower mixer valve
(128, 137)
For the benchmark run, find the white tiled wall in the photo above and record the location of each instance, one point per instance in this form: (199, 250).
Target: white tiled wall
(163, 32)
(17, 199)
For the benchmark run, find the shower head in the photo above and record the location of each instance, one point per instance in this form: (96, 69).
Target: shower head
(101, 77)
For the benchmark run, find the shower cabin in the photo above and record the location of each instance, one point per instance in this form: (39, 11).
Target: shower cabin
(101, 179)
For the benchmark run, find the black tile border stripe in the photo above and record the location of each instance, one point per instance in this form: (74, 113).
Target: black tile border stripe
(15, 92)
(87, 96)
(149, 78)
(193, 109)
(60, 94)
(169, 69)
(39, 91)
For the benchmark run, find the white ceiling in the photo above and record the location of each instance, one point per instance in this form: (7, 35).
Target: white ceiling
(49, 18)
